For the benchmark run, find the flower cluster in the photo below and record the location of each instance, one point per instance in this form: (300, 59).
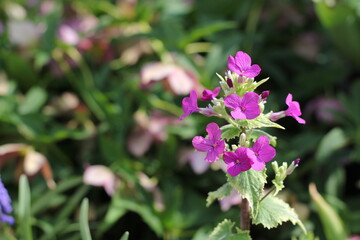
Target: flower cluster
(5, 205)
(243, 109)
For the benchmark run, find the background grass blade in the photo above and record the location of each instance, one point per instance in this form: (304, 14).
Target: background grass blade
(24, 209)
(84, 225)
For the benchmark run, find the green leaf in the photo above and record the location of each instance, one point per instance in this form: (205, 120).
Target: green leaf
(24, 212)
(274, 211)
(229, 131)
(256, 133)
(35, 98)
(250, 184)
(331, 142)
(333, 226)
(223, 191)
(125, 236)
(224, 231)
(84, 225)
(261, 121)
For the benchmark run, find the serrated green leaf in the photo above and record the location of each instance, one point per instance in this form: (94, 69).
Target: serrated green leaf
(224, 231)
(250, 184)
(274, 211)
(229, 131)
(261, 121)
(223, 191)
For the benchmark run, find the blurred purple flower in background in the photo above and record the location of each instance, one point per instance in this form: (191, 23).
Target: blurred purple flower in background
(234, 199)
(325, 109)
(5, 205)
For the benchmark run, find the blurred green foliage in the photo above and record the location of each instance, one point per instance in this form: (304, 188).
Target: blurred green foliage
(73, 89)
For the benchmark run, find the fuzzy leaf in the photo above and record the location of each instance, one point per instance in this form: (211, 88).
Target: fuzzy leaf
(223, 191)
(261, 121)
(229, 132)
(223, 231)
(250, 184)
(274, 211)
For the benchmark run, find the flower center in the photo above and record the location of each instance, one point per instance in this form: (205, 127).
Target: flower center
(242, 108)
(214, 145)
(237, 161)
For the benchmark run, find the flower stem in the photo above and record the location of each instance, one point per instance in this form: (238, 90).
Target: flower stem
(268, 193)
(245, 215)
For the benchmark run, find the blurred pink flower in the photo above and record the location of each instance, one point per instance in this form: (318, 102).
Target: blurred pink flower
(354, 237)
(195, 159)
(151, 185)
(101, 176)
(325, 109)
(175, 78)
(147, 130)
(29, 161)
(68, 35)
(229, 201)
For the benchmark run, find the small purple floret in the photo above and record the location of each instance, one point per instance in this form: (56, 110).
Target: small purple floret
(239, 161)
(189, 105)
(241, 65)
(209, 95)
(214, 146)
(293, 109)
(246, 107)
(263, 152)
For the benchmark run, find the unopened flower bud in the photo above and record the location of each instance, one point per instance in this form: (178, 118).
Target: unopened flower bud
(292, 167)
(242, 140)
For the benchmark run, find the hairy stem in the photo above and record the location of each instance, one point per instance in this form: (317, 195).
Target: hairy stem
(245, 215)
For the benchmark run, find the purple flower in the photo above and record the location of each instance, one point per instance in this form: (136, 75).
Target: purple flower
(189, 105)
(214, 146)
(246, 107)
(208, 95)
(239, 161)
(293, 109)
(263, 152)
(5, 205)
(241, 65)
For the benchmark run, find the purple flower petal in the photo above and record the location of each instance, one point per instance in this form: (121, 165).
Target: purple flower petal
(213, 131)
(189, 105)
(243, 61)
(253, 71)
(238, 114)
(208, 95)
(201, 144)
(232, 101)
